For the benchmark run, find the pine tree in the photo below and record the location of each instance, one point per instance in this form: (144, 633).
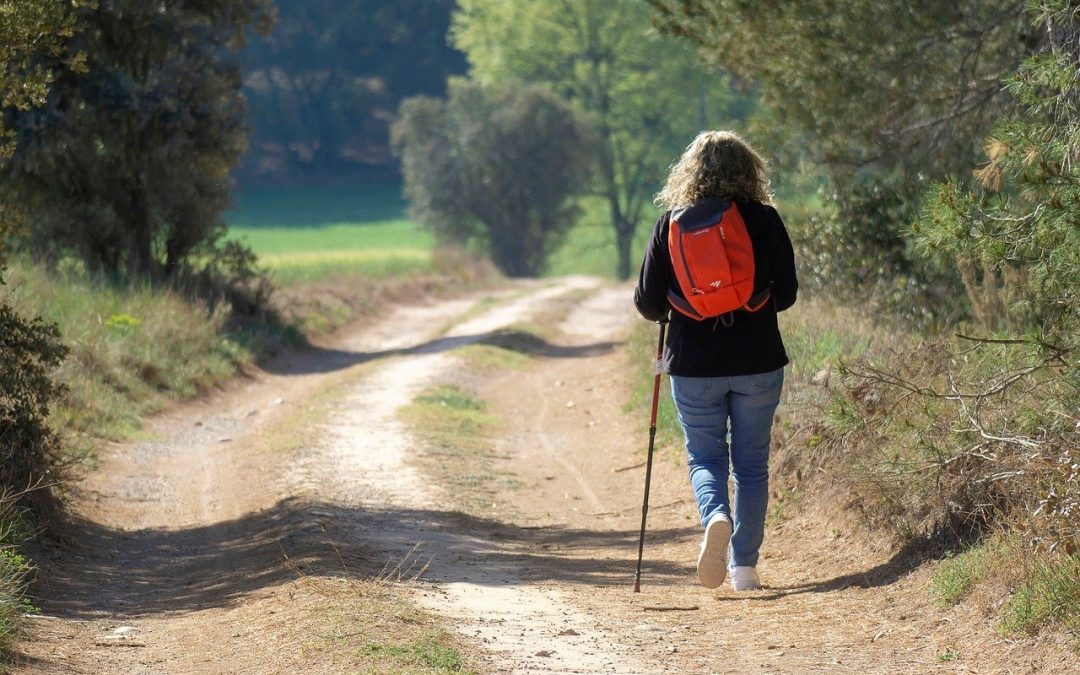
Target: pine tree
(1018, 228)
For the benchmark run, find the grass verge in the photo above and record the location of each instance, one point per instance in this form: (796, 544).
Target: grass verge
(959, 574)
(1050, 595)
(132, 349)
(15, 572)
(457, 433)
(368, 625)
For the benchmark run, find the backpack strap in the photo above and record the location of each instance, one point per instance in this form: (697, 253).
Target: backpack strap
(680, 304)
(758, 300)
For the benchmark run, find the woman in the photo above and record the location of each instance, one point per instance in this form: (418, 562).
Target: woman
(726, 372)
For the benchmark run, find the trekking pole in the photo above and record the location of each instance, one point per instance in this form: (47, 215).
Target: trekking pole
(658, 367)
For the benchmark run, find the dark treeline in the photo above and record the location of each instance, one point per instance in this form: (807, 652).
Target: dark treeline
(324, 86)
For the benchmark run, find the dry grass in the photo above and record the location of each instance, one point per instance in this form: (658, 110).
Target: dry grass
(366, 623)
(872, 422)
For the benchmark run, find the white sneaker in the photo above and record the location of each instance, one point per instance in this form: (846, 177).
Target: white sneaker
(744, 578)
(712, 561)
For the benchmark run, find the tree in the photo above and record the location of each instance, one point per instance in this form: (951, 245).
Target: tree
(324, 86)
(648, 95)
(126, 165)
(916, 91)
(1014, 233)
(494, 165)
(889, 95)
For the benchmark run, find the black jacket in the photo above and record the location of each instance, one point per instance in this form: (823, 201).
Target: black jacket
(752, 343)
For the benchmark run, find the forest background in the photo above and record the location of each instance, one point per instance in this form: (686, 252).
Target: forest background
(926, 166)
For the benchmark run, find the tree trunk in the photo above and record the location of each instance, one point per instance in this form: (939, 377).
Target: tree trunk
(624, 234)
(140, 259)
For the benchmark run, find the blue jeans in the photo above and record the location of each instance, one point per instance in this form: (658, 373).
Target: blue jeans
(709, 409)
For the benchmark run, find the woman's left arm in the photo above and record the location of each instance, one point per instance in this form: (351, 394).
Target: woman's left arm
(785, 281)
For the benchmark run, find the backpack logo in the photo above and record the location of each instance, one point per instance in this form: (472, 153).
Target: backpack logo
(717, 283)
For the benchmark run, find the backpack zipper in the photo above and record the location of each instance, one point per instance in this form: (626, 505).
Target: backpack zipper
(686, 266)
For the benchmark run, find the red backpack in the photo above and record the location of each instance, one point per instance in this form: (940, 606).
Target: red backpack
(713, 260)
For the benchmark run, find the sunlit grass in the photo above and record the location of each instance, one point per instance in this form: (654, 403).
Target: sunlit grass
(317, 233)
(310, 254)
(132, 349)
(589, 247)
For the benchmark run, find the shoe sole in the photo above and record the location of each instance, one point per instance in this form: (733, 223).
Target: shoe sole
(712, 561)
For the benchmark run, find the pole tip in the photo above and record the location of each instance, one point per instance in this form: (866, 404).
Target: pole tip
(637, 586)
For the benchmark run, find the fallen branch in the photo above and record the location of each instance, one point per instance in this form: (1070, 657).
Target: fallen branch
(628, 468)
(668, 608)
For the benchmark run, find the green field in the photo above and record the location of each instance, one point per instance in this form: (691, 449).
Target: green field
(314, 233)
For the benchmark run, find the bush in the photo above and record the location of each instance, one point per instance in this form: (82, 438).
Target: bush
(955, 438)
(15, 571)
(855, 248)
(125, 164)
(29, 352)
(495, 168)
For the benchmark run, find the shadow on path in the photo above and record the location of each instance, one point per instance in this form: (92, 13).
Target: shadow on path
(92, 571)
(321, 360)
(902, 563)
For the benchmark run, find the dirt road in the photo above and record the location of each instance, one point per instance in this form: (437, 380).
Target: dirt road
(232, 537)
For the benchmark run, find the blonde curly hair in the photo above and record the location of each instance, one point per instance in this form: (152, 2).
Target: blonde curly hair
(716, 164)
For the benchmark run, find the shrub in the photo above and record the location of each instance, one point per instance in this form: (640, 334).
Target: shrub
(494, 167)
(951, 438)
(15, 571)
(29, 351)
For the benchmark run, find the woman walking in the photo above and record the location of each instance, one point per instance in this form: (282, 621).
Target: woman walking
(726, 371)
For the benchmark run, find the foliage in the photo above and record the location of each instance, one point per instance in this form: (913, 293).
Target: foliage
(324, 85)
(29, 351)
(648, 95)
(953, 439)
(32, 29)
(916, 91)
(126, 165)
(887, 106)
(15, 571)
(494, 165)
(962, 437)
(131, 349)
(1016, 231)
(1014, 238)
